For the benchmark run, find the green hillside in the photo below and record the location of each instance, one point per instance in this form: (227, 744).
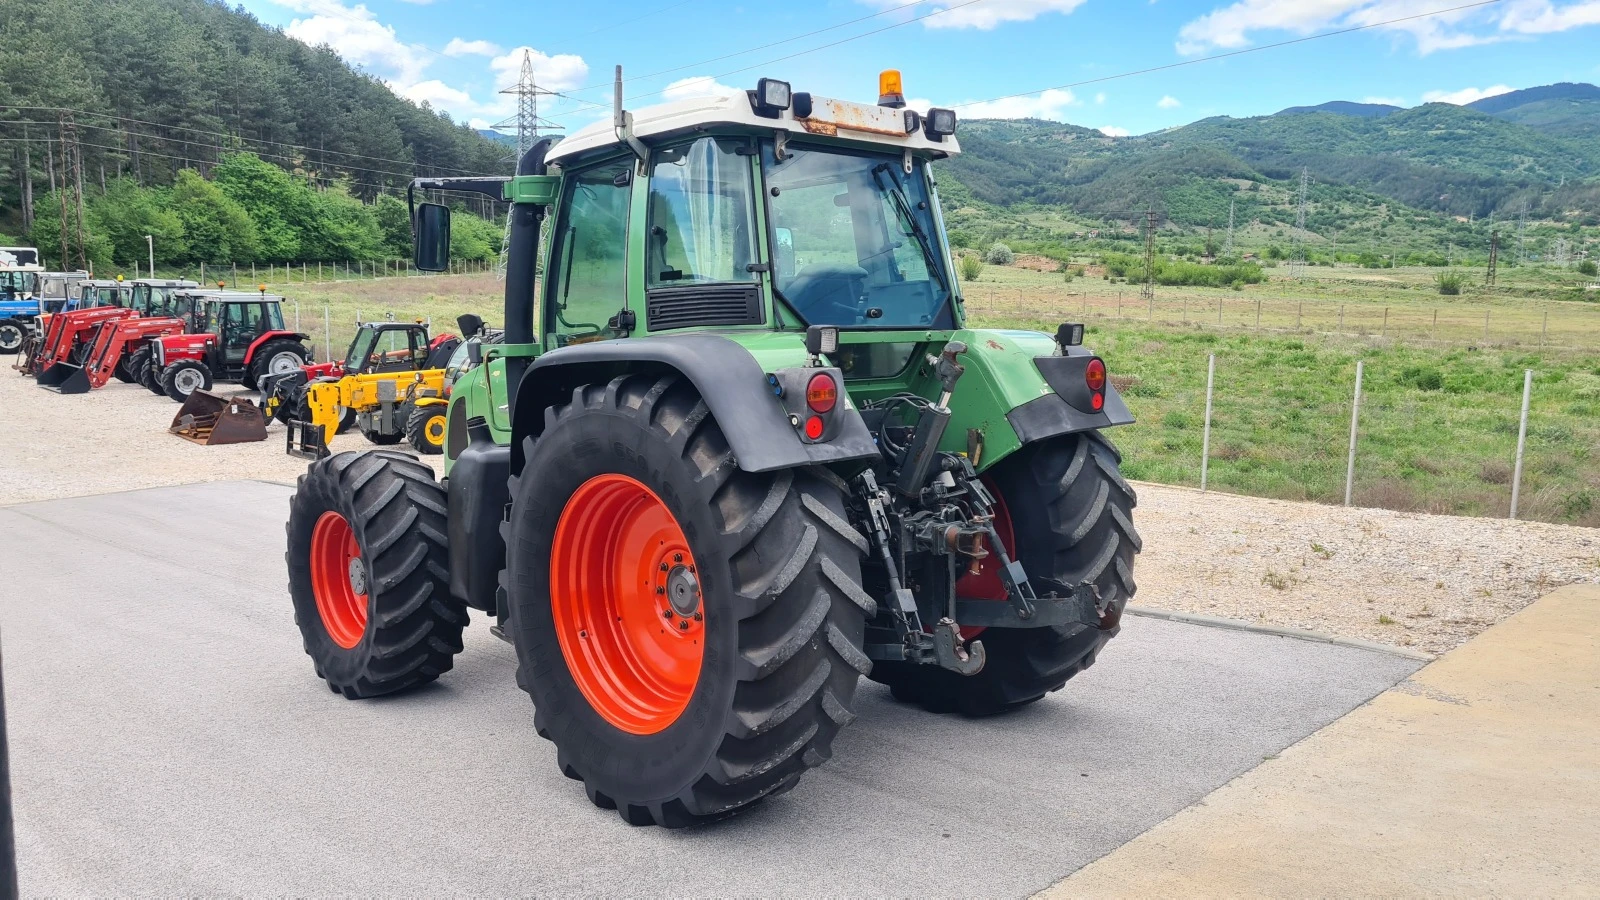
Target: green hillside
(1383, 179)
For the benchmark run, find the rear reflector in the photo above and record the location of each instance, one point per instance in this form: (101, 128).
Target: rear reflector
(821, 395)
(814, 428)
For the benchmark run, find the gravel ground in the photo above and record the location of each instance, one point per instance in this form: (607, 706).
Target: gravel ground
(1420, 581)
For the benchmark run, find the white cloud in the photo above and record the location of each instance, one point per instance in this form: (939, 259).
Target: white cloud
(1465, 95)
(436, 94)
(697, 86)
(1051, 104)
(983, 16)
(1100, 98)
(1113, 131)
(1234, 26)
(1385, 101)
(459, 47)
(1168, 102)
(561, 72)
(1544, 17)
(357, 36)
(479, 124)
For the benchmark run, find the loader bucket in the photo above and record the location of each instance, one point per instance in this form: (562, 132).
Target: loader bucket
(211, 420)
(64, 378)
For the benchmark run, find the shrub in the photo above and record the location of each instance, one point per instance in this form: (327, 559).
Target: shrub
(1450, 283)
(1587, 267)
(999, 255)
(971, 267)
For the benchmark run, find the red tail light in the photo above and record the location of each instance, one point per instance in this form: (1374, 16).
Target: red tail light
(1095, 376)
(822, 393)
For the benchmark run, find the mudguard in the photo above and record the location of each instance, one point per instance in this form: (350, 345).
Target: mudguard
(250, 353)
(732, 383)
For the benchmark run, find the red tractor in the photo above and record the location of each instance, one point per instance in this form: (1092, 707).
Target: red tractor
(67, 335)
(237, 337)
(105, 354)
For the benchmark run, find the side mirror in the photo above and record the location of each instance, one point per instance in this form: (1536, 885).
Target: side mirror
(431, 237)
(469, 324)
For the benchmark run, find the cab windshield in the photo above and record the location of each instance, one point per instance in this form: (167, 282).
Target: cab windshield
(854, 241)
(15, 284)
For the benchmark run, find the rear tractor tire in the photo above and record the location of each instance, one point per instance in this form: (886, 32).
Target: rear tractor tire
(425, 427)
(1068, 514)
(690, 633)
(275, 357)
(184, 377)
(368, 573)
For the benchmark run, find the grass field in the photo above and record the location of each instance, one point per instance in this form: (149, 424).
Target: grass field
(1439, 418)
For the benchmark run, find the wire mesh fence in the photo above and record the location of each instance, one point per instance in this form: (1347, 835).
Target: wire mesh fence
(1424, 441)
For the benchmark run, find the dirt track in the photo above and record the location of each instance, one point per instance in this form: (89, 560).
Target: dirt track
(1427, 582)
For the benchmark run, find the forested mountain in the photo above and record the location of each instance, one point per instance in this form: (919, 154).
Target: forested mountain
(154, 86)
(1563, 110)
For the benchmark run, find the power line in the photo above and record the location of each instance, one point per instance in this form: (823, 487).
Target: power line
(1232, 53)
(194, 130)
(938, 12)
(606, 85)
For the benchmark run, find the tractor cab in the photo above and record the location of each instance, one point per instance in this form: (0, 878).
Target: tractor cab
(158, 296)
(19, 295)
(58, 290)
(391, 346)
(91, 293)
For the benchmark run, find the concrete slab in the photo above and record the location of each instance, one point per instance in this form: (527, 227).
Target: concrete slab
(1478, 776)
(169, 737)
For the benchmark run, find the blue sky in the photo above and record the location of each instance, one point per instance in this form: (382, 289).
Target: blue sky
(962, 53)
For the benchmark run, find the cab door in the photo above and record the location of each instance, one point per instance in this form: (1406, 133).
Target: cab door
(587, 280)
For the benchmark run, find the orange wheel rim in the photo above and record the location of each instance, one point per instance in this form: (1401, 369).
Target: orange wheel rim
(626, 601)
(339, 579)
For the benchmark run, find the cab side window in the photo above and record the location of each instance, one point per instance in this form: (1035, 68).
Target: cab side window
(588, 271)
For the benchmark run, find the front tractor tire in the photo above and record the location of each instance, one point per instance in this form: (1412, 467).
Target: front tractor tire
(1068, 514)
(690, 633)
(425, 428)
(184, 377)
(12, 333)
(368, 573)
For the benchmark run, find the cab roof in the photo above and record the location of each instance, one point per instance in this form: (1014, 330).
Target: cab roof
(165, 282)
(831, 120)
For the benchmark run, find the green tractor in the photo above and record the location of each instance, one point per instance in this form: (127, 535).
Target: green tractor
(737, 450)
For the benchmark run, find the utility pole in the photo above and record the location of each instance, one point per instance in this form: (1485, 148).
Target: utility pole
(1148, 292)
(1228, 249)
(1522, 235)
(1494, 259)
(1297, 263)
(527, 123)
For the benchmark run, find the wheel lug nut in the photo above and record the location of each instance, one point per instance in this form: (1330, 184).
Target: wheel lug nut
(667, 614)
(698, 617)
(683, 625)
(663, 567)
(661, 590)
(677, 557)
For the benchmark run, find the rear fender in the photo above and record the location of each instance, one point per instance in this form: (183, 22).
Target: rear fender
(729, 379)
(250, 353)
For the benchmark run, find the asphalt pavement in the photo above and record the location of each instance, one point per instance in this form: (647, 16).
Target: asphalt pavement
(168, 736)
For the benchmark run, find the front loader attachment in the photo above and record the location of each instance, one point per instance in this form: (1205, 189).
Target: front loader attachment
(64, 378)
(211, 420)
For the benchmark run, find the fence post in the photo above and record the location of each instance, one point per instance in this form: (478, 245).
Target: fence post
(1299, 312)
(253, 279)
(303, 276)
(319, 270)
(1152, 313)
(1522, 441)
(296, 315)
(327, 333)
(1119, 304)
(202, 274)
(1355, 419)
(1385, 332)
(236, 278)
(1340, 329)
(1486, 326)
(1544, 330)
(1205, 440)
(1258, 313)
(1219, 312)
